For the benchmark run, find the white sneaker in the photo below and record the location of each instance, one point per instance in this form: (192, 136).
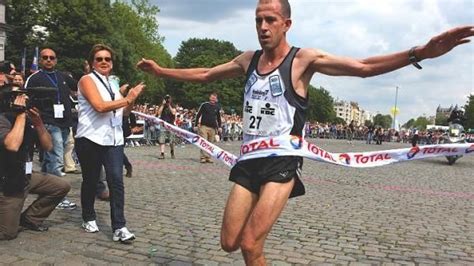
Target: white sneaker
(65, 204)
(90, 227)
(123, 235)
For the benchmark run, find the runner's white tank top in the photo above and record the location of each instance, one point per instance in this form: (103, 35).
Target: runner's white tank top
(271, 106)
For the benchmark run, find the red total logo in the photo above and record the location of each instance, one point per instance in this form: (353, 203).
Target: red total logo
(258, 145)
(345, 158)
(226, 157)
(364, 159)
(320, 152)
(437, 150)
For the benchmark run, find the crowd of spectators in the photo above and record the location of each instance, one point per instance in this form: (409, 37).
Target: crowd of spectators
(231, 123)
(232, 129)
(376, 134)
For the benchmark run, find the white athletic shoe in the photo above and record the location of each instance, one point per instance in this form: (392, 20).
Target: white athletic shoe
(90, 227)
(123, 235)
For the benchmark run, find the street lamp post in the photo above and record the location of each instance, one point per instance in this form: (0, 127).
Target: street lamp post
(395, 109)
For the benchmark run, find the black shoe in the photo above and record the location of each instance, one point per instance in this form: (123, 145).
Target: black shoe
(33, 227)
(162, 156)
(129, 171)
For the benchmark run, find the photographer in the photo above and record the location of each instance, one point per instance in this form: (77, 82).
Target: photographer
(166, 112)
(17, 131)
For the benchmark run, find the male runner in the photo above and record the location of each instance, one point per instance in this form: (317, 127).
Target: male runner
(275, 101)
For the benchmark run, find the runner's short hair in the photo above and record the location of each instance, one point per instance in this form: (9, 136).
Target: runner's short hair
(285, 7)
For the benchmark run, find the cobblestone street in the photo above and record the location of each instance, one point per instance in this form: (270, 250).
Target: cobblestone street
(407, 213)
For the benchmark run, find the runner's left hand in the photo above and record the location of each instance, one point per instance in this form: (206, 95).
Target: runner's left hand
(446, 41)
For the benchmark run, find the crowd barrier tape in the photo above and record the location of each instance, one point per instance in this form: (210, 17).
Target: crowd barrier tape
(297, 146)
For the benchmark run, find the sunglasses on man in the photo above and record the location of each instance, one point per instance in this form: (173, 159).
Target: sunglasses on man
(50, 57)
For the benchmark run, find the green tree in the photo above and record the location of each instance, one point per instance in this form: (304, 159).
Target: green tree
(339, 120)
(385, 121)
(131, 45)
(409, 123)
(469, 113)
(206, 53)
(21, 16)
(321, 105)
(441, 120)
(73, 26)
(421, 122)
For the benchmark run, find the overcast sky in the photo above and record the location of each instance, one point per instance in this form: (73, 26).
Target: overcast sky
(350, 28)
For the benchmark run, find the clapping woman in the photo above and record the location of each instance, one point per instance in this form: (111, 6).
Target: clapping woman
(99, 139)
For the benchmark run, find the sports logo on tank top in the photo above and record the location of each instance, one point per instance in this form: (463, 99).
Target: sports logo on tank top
(267, 110)
(252, 79)
(248, 108)
(275, 85)
(258, 94)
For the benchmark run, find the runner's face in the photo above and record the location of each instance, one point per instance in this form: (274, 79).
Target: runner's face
(103, 62)
(48, 59)
(271, 25)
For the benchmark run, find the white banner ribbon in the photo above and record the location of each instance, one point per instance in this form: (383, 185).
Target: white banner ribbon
(296, 146)
(216, 152)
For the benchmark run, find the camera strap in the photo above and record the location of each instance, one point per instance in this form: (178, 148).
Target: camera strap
(108, 88)
(55, 83)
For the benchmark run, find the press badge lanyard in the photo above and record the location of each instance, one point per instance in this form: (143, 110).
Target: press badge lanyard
(108, 88)
(55, 84)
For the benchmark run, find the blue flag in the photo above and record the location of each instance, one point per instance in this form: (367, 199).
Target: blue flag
(23, 62)
(34, 65)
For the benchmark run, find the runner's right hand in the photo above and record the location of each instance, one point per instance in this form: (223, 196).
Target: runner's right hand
(148, 66)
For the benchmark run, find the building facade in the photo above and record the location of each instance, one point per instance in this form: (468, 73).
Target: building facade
(356, 113)
(349, 111)
(366, 116)
(443, 111)
(343, 110)
(3, 30)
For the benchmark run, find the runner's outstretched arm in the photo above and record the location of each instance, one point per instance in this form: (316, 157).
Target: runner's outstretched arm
(325, 63)
(232, 69)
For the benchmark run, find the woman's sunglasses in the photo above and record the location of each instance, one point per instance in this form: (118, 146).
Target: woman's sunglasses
(106, 59)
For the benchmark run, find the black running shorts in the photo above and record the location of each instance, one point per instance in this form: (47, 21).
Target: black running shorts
(253, 173)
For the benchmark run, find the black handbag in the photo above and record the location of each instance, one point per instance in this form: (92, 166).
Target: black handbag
(127, 131)
(14, 179)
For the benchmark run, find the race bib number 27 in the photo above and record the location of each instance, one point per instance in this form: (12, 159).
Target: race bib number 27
(260, 118)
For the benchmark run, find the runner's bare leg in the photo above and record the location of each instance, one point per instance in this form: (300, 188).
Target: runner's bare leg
(239, 206)
(272, 200)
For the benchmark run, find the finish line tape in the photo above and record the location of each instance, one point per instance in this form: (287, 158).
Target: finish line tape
(297, 146)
